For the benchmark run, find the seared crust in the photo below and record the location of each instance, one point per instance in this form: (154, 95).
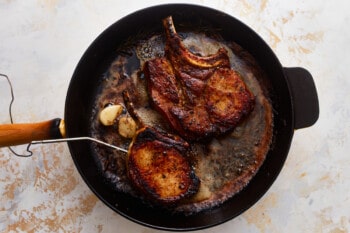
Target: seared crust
(200, 96)
(158, 167)
(227, 98)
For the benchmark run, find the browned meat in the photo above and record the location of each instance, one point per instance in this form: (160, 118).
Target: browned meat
(200, 96)
(158, 165)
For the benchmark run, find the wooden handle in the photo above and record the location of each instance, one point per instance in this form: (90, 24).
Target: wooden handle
(16, 134)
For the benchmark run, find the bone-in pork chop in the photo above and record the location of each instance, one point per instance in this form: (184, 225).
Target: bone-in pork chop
(158, 165)
(199, 96)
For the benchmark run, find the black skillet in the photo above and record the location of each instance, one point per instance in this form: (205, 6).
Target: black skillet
(291, 90)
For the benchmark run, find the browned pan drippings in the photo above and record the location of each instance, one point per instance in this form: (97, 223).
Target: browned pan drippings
(223, 164)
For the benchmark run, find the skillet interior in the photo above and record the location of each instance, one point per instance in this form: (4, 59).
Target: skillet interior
(96, 60)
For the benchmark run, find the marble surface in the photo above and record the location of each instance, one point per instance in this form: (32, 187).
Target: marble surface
(41, 41)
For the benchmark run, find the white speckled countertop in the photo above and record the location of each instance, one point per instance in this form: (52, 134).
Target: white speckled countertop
(41, 41)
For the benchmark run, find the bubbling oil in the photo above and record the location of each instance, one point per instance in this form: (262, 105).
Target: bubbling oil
(225, 164)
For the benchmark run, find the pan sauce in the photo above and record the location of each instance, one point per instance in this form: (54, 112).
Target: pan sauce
(225, 164)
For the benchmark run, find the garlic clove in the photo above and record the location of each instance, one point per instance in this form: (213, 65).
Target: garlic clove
(127, 127)
(110, 113)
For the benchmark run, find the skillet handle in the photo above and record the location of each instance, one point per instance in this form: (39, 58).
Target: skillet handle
(304, 96)
(17, 134)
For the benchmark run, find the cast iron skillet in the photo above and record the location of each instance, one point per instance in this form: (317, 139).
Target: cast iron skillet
(294, 99)
(291, 90)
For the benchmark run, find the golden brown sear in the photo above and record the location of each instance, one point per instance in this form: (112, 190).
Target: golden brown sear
(158, 167)
(157, 163)
(199, 96)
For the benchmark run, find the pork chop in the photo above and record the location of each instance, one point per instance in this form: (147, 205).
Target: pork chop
(199, 96)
